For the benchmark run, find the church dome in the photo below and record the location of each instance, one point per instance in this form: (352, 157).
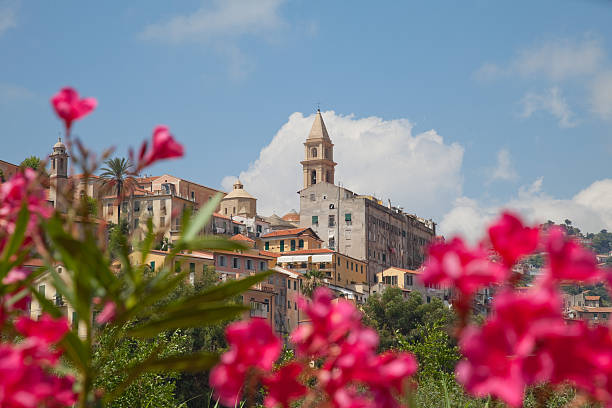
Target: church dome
(59, 144)
(238, 192)
(292, 216)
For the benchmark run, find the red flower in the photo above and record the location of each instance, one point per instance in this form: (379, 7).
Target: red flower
(253, 345)
(511, 239)
(69, 107)
(568, 260)
(163, 147)
(283, 386)
(47, 329)
(330, 322)
(107, 314)
(453, 264)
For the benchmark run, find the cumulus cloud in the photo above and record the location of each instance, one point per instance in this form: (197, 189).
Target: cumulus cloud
(224, 19)
(551, 102)
(420, 172)
(590, 210)
(556, 60)
(504, 169)
(601, 95)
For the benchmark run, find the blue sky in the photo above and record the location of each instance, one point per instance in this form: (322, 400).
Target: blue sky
(521, 88)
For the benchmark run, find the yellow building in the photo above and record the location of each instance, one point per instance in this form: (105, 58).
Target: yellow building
(408, 281)
(289, 240)
(195, 262)
(337, 269)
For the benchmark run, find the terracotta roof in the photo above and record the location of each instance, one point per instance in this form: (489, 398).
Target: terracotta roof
(285, 232)
(592, 297)
(587, 309)
(225, 217)
(146, 179)
(268, 253)
(240, 237)
(292, 216)
(410, 271)
(248, 254)
(193, 254)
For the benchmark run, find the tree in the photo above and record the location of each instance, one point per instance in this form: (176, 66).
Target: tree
(116, 176)
(312, 279)
(2, 180)
(32, 162)
(117, 238)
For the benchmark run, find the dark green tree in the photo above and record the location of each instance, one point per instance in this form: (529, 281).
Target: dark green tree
(32, 162)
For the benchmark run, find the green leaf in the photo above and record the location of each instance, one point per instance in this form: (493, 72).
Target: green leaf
(17, 236)
(189, 317)
(191, 362)
(201, 218)
(221, 292)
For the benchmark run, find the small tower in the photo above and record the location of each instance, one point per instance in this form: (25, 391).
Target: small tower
(318, 163)
(239, 202)
(58, 174)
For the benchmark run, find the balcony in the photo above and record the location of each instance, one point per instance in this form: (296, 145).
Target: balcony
(259, 313)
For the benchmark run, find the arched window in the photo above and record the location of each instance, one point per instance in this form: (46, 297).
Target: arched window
(313, 177)
(328, 176)
(313, 152)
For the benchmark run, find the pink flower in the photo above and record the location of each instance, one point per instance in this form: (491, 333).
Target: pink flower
(511, 239)
(253, 345)
(163, 147)
(47, 329)
(107, 314)
(69, 107)
(330, 322)
(283, 386)
(568, 260)
(15, 275)
(453, 264)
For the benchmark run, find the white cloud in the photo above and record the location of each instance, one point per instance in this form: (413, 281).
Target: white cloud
(601, 95)
(375, 156)
(225, 19)
(8, 15)
(590, 210)
(552, 102)
(556, 60)
(504, 169)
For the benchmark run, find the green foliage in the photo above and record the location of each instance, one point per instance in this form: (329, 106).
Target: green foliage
(117, 238)
(602, 242)
(114, 358)
(312, 280)
(391, 314)
(32, 162)
(535, 261)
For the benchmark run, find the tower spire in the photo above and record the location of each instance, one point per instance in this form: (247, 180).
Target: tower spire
(318, 164)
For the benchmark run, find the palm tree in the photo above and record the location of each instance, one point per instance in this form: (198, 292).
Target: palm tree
(312, 279)
(116, 176)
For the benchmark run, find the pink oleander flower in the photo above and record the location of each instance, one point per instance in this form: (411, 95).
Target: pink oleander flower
(453, 264)
(15, 275)
(163, 147)
(568, 260)
(253, 345)
(283, 386)
(47, 329)
(330, 322)
(499, 355)
(511, 239)
(107, 314)
(70, 107)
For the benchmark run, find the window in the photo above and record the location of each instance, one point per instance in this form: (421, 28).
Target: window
(124, 206)
(347, 218)
(301, 244)
(225, 210)
(282, 245)
(249, 264)
(236, 230)
(136, 222)
(162, 221)
(332, 243)
(152, 265)
(294, 305)
(41, 289)
(267, 245)
(313, 177)
(288, 304)
(288, 284)
(313, 152)
(177, 267)
(235, 263)
(315, 220)
(192, 277)
(347, 264)
(293, 244)
(322, 265)
(75, 320)
(234, 210)
(352, 266)
(136, 206)
(191, 267)
(327, 176)
(338, 261)
(384, 257)
(221, 260)
(263, 266)
(58, 300)
(331, 220)
(312, 197)
(408, 280)
(294, 285)
(362, 269)
(193, 195)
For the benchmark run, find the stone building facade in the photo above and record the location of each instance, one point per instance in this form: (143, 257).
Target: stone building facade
(360, 226)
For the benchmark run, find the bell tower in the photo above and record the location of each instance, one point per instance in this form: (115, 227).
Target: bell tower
(318, 163)
(58, 175)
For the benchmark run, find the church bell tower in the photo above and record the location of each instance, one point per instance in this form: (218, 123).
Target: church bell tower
(318, 163)
(58, 175)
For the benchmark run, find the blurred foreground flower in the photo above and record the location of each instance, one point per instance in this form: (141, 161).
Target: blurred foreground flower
(70, 107)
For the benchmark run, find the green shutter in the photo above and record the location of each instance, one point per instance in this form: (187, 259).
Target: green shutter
(347, 217)
(315, 219)
(153, 265)
(301, 243)
(293, 244)
(267, 246)
(282, 245)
